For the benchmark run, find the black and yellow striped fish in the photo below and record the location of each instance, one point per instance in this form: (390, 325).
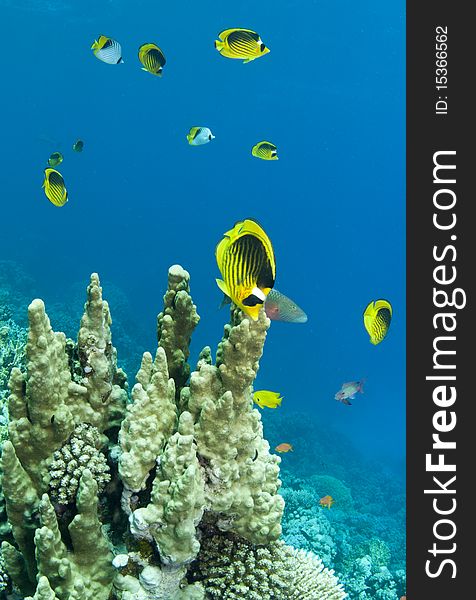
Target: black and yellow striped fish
(78, 146)
(265, 150)
(240, 43)
(153, 59)
(55, 190)
(107, 50)
(55, 159)
(245, 257)
(377, 319)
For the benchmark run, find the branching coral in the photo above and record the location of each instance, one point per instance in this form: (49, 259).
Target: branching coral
(187, 463)
(149, 421)
(175, 325)
(306, 526)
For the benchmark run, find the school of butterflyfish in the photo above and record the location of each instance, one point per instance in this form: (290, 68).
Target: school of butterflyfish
(245, 255)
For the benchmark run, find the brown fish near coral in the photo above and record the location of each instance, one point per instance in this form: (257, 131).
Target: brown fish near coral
(326, 501)
(284, 448)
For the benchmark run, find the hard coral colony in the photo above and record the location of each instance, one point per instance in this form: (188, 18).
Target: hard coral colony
(171, 494)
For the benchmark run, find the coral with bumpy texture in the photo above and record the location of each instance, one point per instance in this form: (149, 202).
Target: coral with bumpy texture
(87, 570)
(80, 452)
(103, 380)
(242, 477)
(193, 461)
(156, 583)
(177, 500)
(305, 525)
(50, 399)
(4, 579)
(175, 325)
(12, 353)
(149, 421)
(271, 572)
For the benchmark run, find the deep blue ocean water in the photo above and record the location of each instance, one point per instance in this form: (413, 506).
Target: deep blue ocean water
(330, 95)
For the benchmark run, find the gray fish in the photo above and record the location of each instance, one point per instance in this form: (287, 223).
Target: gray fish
(279, 307)
(349, 390)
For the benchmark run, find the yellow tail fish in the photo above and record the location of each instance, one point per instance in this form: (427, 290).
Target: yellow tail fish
(377, 319)
(107, 50)
(245, 257)
(267, 398)
(152, 58)
(265, 151)
(55, 190)
(240, 43)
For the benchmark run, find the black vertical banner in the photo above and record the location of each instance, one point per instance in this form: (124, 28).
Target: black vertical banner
(441, 268)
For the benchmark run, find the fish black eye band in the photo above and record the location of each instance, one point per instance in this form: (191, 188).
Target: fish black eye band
(252, 300)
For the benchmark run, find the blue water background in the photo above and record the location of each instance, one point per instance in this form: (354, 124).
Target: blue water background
(330, 95)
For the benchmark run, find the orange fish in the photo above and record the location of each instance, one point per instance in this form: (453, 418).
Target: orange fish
(284, 448)
(326, 501)
(403, 598)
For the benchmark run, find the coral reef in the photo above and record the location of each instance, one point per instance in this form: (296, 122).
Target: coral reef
(16, 286)
(80, 452)
(148, 498)
(12, 354)
(362, 537)
(275, 571)
(4, 579)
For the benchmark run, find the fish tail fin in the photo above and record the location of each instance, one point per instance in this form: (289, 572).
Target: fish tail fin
(361, 386)
(219, 45)
(226, 300)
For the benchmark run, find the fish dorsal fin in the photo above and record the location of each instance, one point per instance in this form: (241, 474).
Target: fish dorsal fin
(224, 34)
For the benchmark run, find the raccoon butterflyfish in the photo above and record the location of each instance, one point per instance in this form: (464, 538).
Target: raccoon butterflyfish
(243, 44)
(107, 50)
(246, 261)
(265, 151)
(78, 146)
(266, 398)
(55, 190)
(55, 159)
(377, 319)
(284, 448)
(327, 501)
(152, 59)
(199, 135)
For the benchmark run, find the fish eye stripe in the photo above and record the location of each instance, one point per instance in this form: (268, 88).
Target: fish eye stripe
(252, 300)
